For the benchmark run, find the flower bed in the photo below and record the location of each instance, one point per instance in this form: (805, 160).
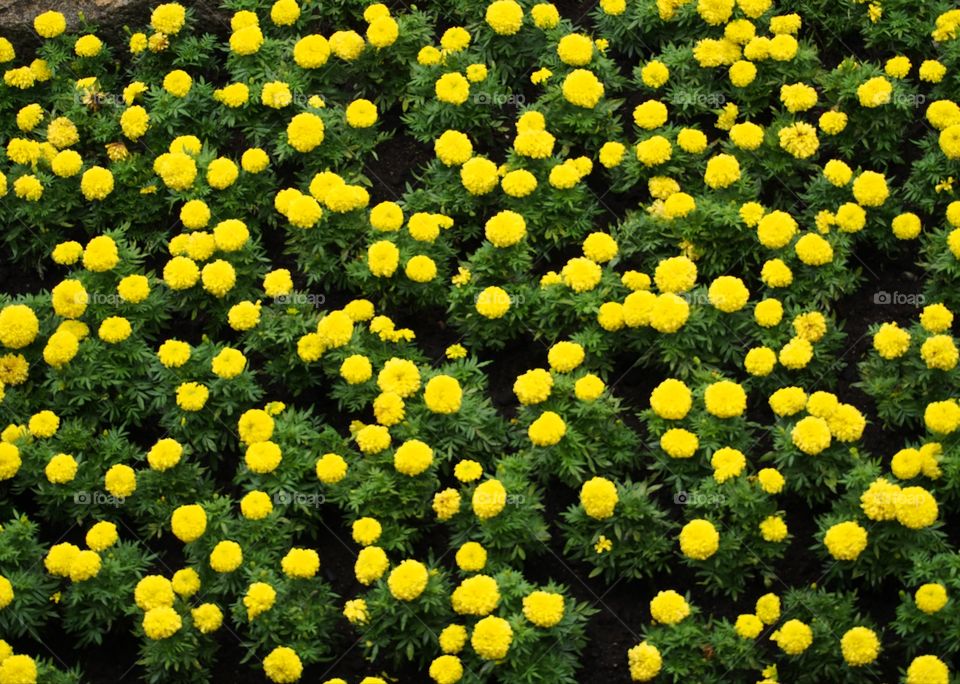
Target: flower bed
(482, 343)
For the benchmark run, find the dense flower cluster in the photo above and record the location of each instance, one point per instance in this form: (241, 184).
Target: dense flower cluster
(351, 324)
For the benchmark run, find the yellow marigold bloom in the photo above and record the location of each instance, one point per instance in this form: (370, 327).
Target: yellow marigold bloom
(479, 176)
(19, 326)
(226, 556)
(361, 114)
(645, 662)
(282, 665)
(544, 609)
(492, 636)
(28, 187)
(477, 595)
(931, 597)
(599, 497)
(408, 580)
(247, 40)
(793, 637)
(575, 49)
(284, 12)
(728, 294)
(452, 88)
(300, 563)
(356, 612)
(114, 329)
(582, 88)
(671, 399)
(565, 356)
(347, 45)
(727, 463)
(870, 189)
(493, 302)
(811, 435)
(188, 522)
(233, 95)
(102, 536)
(654, 74)
(939, 352)
(846, 540)
(383, 258)
(547, 430)
(699, 539)
(654, 151)
(668, 607)
(412, 457)
(505, 229)
(120, 480)
(916, 508)
(168, 18)
(87, 46)
(545, 15)
(928, 669)
(331, 468)
(798, 97)
(207, 617)
(936, 318)
(61, 469)
(504, 16)
(768, 608)
(161, 623)
(178, 83)
(443, 394)
(742, 73)
(891, 341)
(760, 361)
(725, 399)
(875, 93)
(10, 460)
(799, 139)
(679, 443)
(49, 24)
(589, 387)
(748, 626)
(932, 71)
(383, 32)
(519, 183)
